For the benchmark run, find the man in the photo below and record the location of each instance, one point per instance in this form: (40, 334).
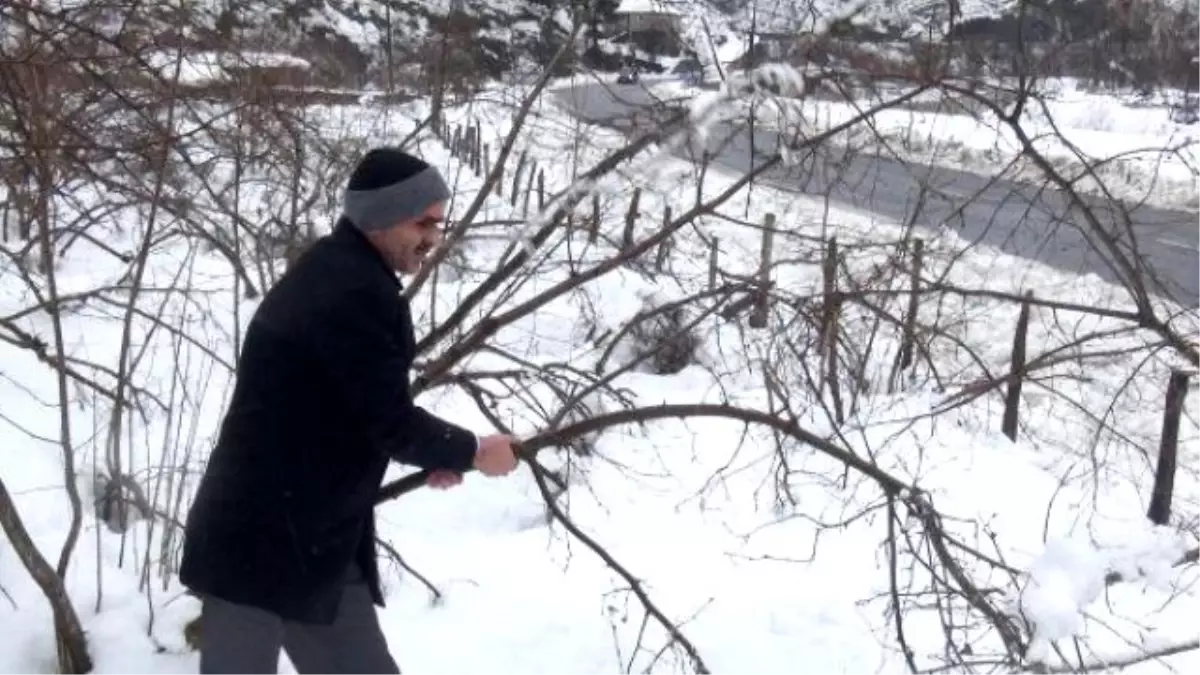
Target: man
(280, 541)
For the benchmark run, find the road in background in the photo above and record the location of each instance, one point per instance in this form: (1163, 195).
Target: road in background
(1020, 219)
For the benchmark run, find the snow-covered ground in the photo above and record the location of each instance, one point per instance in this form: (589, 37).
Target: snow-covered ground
(771, 555)
(1138, 152)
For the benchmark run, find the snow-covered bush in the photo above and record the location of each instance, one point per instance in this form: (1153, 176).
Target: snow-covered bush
(664, 339)
(660, 338)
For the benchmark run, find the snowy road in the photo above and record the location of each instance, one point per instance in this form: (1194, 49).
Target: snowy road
(1019, 219)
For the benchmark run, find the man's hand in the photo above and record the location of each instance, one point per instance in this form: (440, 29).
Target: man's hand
(443, 479)
(495, 456)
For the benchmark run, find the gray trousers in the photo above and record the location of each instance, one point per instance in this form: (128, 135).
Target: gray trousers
(240, 639)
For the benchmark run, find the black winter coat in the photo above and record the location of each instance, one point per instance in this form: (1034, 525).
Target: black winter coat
(320, 406)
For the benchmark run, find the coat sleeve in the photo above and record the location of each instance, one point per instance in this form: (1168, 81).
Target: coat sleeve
(369, 366)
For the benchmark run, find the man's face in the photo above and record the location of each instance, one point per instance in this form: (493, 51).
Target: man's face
(409, 243)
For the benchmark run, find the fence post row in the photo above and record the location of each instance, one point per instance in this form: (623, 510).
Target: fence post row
(469, 140)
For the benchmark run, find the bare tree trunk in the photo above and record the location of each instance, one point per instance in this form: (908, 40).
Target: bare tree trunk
(437, 101)
(73, 654)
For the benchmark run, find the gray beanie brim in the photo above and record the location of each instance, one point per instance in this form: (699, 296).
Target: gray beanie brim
(390, 186)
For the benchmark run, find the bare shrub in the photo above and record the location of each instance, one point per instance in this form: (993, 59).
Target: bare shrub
(660, 337)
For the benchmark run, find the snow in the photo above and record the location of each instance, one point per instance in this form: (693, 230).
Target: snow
(199, 68)
(807, 16)
(766, 569)
(1071, 573)
(646, 7)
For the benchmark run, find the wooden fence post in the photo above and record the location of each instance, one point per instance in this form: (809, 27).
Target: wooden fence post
(908, 330)
(1016, 375)
(762, 305)
(476, 149)
(714, 252)
(828, 290)
(516, 182)
(828, 333)
(631, 219)
(528, 189)
(541, 189)
(1168, 450)
(908, 339)
(664, 248)
(594, 225)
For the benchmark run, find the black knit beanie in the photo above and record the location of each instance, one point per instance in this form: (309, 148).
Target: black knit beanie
(390, 186)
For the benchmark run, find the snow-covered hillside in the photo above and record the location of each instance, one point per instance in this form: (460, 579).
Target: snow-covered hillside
(356, 32)
(910, 17)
